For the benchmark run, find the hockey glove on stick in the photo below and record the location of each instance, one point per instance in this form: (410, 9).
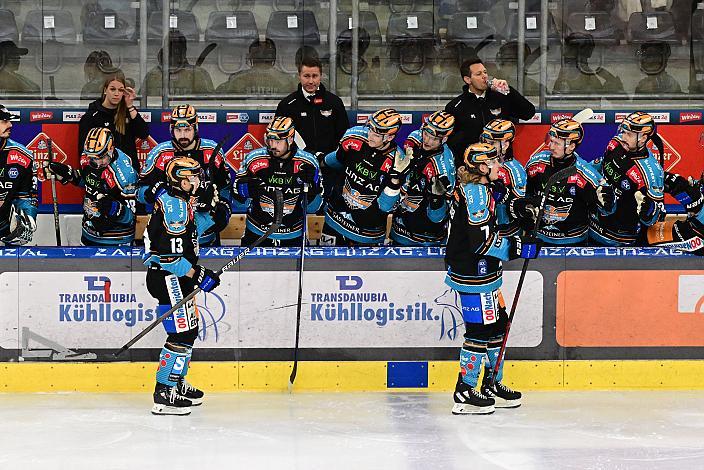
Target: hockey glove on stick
(606, 197)
(499, 191)
(645, 206)
(206, 279)
(109, 206)
(153, 191)
(64, 174)
(688, 195)
(524, 247)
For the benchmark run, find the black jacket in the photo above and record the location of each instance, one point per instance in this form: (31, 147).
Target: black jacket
(100, 116)
(321, 122)
(472, 113)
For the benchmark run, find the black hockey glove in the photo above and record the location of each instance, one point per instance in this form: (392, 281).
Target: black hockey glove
(524, 209)
(249, 187)
(22, 227)
(645, 206)
(221, 216)
(401, 164)
(206, 279)
(606, 197)
(499, 191)
(109, 207)
(206, 197)
(686, 194)
(153, 192)
(437, 189)
(64, 174)
(308, 175)
(524, 247)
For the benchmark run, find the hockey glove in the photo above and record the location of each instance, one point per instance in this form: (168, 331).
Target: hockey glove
(22, 227)
(524, 247)
(249, 187)
(206, 197)
(221, 216)
(606, 197)
(152, 192)
(207, 279)
(524, 209)
(402, 163)
(499, 191)
(437, 189)
(64, 174)
(308, 175)
(645, 206)
(109, 206)
(690, 196)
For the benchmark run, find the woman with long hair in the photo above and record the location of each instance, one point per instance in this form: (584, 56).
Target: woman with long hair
(115, 110)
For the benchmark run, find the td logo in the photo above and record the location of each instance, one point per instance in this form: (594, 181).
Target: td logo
(349, 282)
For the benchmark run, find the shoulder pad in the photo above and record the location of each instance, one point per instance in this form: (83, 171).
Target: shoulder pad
(307, 157)
(479, 203)
(354, 138)
(415, 139)
(585, 174)
(255, 161)
(614, 144)
(651, 172)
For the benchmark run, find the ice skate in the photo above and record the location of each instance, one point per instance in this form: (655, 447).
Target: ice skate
(188, 391)
(168, 402)
(469, 400)
(503, 396)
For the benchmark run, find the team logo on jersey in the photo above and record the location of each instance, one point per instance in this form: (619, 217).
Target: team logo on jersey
(625, 185)
(573, 190)
(482, 268)
(13, 173)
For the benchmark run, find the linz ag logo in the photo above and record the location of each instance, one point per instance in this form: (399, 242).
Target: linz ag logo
(690, 116)
(35, 116)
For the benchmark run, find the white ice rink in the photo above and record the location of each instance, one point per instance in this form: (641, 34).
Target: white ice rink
(565, 430)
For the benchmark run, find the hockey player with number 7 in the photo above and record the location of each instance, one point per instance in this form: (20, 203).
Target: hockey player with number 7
(173, 272)
(475, 251)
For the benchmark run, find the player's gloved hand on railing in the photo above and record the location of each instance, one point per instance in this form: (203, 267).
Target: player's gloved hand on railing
(524, 209)
(22, 227)
(524, 247)
(438, 188)
(606, 196)
(64, 174)
(221, 216)
(206, 279)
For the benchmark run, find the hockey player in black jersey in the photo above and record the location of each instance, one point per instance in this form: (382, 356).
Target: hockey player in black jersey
(368, 161)
(281, 165)
(475, 251)
(171, 256)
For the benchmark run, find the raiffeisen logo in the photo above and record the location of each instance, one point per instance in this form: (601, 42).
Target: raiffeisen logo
(100, 303)
(350, 302)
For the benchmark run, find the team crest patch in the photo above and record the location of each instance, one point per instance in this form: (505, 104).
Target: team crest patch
(326, 112)
(625, 185)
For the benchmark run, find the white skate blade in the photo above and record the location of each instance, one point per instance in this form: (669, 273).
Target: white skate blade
(196, 401)
(158, 409)
(466, 409)
(501, 403)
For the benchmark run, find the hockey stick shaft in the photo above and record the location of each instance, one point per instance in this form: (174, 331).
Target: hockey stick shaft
(54, 200)
(278, 215)
(558, 176)
(294, 371)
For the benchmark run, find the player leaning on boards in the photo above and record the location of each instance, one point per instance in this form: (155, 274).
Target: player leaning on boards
(214, 195)
(475, 250)
(422, 214)
(18, 187)
(368, 167)
(513, 211)
(110, 182)
(171, 257)
(281, 165)
(568, 203)
(632, 170)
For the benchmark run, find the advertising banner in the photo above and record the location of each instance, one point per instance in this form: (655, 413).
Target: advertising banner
(257, 309)
(633, 308)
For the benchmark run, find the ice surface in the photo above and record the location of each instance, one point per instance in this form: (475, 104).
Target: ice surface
(552, 430)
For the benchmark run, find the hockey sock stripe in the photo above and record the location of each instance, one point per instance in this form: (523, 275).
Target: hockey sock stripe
(171, 365)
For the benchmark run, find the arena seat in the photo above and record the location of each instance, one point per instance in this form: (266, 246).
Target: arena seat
(598, 25)
(652, 26)
(8, 26)
(233, 31)
(470, 29)
(532, 27)
(367, 21)
(109, 27)
(183, 21)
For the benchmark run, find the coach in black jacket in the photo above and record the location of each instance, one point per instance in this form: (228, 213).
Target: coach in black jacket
(318, 115)
(479, 103)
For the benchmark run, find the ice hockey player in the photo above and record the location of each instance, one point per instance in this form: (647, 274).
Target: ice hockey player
(18, 195)
(110, 182)
(475, 251)
(213, 198)
(568, 203)
(630, 168)
(513, 210)
(278, 166)
(173, 272)
(368, 161)
(422, 214)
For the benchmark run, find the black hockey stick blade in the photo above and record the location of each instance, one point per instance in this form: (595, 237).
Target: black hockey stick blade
(278, 216)
(203, 55)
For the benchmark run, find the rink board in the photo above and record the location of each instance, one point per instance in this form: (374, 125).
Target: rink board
(371, 319)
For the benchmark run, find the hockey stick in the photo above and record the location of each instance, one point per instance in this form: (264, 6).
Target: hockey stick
(54, 200)
(304, 235)
(208, 49)
(278, 215)
(584, 115)
(559, 176)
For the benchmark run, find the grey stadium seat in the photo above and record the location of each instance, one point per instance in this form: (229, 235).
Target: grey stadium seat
(532, 27)
(186, 23)
(598, 25)
(470, 28)
(233, 31)
(109, 27)
(411, 27)
(300, 27)
(367, 21)
(8, 26)
(652, 26)
(37, 27)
